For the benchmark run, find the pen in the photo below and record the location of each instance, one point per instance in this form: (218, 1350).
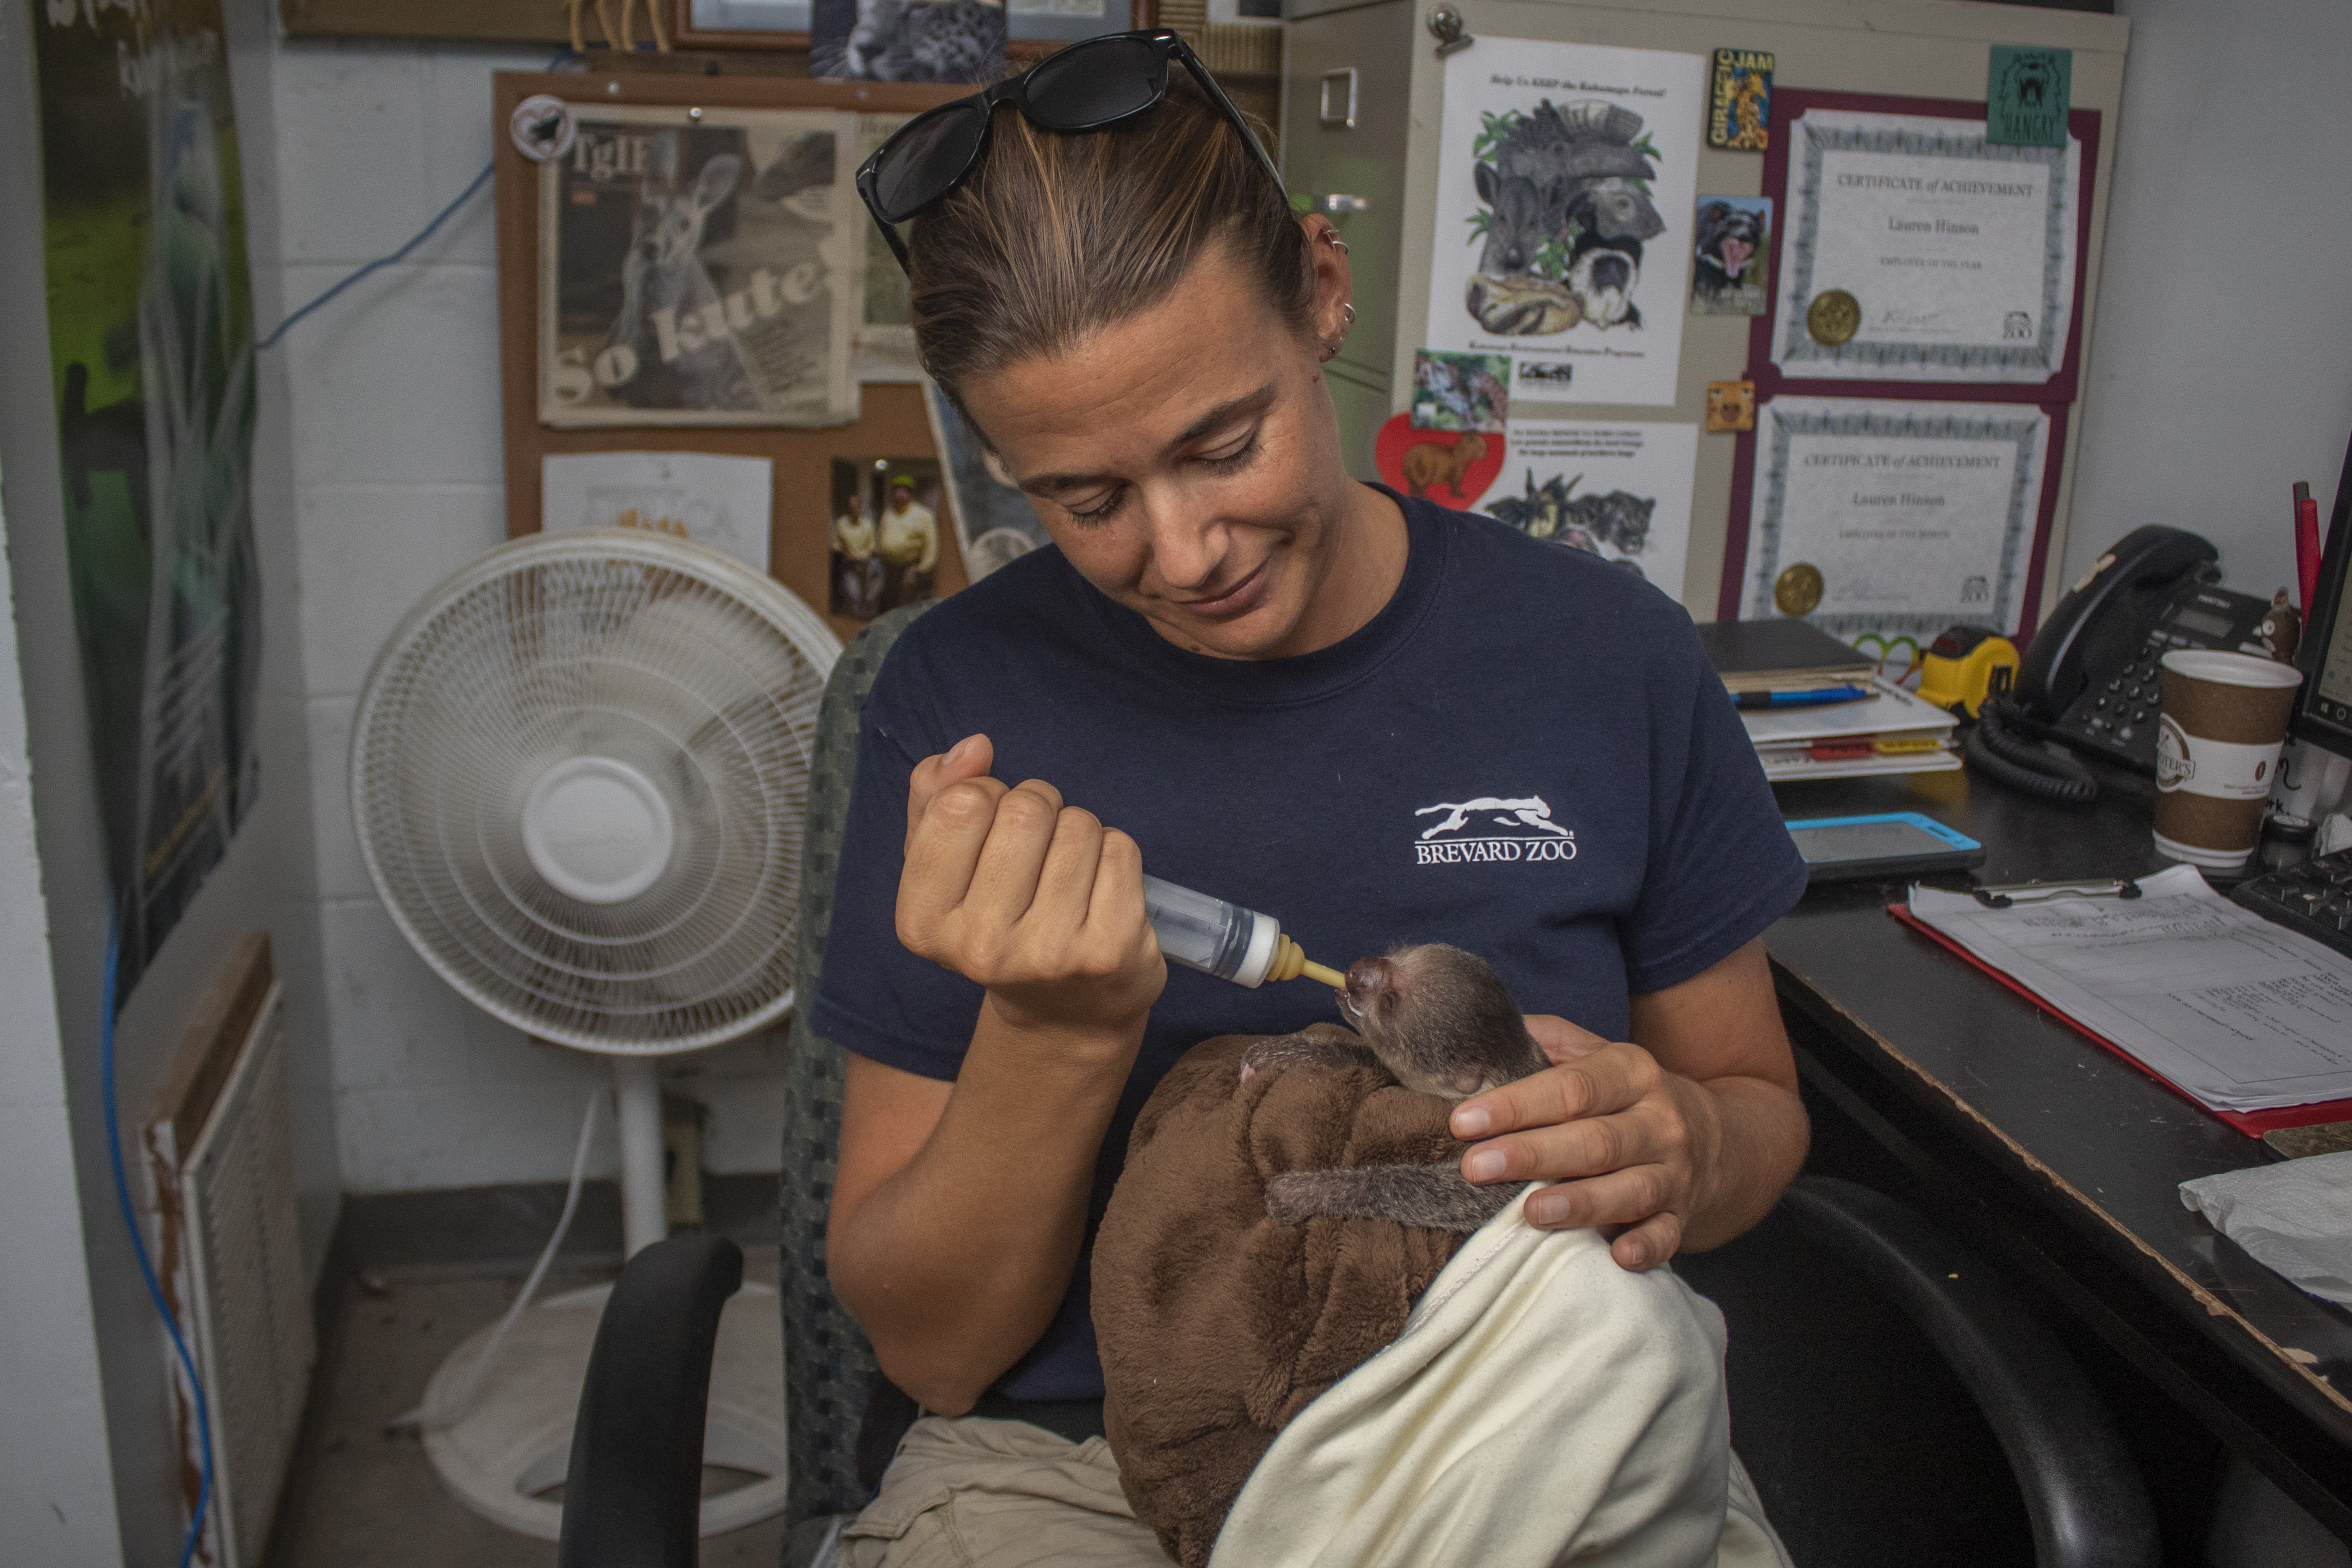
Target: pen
(2306, 543)
(1813, 698)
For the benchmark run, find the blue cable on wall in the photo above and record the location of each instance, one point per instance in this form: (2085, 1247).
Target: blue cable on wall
(419, 237)
(139, 1246)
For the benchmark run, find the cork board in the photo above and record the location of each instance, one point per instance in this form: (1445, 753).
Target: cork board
(891, 422)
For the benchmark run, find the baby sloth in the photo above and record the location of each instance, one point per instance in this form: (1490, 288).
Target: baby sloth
(1440, 1022)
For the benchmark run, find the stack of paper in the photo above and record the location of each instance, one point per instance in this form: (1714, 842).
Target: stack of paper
(1890, 731)
(2235, 1012)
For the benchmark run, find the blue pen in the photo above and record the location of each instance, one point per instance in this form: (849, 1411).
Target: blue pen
(1813, 698)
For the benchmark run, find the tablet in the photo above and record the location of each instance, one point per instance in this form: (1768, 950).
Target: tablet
(1894, 843)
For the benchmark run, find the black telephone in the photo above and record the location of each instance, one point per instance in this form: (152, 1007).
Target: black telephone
(2090, 680)
(2091, 672)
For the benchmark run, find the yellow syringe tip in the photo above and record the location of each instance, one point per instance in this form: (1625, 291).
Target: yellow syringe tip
(1329, 977)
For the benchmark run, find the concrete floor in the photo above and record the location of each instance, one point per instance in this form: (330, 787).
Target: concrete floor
(359, 1498)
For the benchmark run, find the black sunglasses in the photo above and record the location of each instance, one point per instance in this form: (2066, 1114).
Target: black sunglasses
(1086, 87)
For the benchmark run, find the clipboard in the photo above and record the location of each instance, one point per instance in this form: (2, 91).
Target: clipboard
(2253, 1123)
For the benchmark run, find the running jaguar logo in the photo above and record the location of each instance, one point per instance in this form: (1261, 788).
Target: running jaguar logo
(1528, 832)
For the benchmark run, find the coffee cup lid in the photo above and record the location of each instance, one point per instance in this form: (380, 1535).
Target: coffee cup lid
(2232, 669)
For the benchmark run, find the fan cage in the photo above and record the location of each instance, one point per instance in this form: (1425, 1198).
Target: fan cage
(699, 672)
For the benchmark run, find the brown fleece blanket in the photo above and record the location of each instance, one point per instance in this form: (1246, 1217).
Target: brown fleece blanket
(1216, 1323)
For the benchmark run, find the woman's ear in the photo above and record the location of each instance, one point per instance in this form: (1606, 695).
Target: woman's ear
(1334, 308)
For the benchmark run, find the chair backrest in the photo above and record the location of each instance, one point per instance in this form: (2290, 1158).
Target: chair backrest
(1897, 1401)
(828, 1366)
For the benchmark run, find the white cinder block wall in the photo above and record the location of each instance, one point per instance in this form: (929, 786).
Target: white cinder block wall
(394, 392)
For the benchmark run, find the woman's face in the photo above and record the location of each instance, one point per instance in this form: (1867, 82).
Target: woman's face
(1187, 462)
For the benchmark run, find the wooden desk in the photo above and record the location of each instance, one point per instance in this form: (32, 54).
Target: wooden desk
(2062, 1157)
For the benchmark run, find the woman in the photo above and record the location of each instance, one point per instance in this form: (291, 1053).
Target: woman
(1257, 677)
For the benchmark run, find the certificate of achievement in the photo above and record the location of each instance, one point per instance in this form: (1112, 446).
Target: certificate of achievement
(1912, 249)
(1565, 184)
(1894, 517)
(1622, 492)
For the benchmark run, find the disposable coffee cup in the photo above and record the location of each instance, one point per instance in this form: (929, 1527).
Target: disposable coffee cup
(2217, 751)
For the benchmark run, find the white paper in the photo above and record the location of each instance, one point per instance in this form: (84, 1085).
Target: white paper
(1916, 515)
(2295, 1218)
(882, 340)
(1621, 491)
(1625, 348)
(2241, 1014)
(722, 502)
(1959, 251)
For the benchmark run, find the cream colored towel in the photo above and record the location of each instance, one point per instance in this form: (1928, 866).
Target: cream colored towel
(1541, 1404)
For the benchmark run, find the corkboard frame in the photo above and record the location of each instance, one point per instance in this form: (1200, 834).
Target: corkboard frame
(690, 37)
(892, 421)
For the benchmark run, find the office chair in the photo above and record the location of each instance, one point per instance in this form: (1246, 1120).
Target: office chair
(636, 1459)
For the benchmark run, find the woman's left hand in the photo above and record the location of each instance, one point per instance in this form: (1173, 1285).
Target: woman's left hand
(1632, 1145)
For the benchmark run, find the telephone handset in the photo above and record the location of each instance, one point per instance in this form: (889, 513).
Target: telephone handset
(2090, 677)
(2091, 672)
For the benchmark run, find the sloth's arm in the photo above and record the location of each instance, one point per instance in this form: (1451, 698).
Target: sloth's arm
(1319, 1045)
(1434, 1197)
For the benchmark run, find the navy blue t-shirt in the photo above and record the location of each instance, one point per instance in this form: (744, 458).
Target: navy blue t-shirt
(1524, 754)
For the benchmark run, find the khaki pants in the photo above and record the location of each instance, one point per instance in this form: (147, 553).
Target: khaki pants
(1004, 1494)
(998, 1494)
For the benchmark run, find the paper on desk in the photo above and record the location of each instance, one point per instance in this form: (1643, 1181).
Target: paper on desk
(1889, 710)
(2295, 1218)
(2240, 1014)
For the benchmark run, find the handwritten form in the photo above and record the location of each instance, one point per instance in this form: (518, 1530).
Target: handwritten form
(2241, 1014)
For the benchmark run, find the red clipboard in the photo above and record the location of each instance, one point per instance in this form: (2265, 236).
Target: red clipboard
(2253, 1123)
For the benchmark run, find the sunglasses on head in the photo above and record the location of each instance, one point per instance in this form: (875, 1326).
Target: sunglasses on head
(1088, 86)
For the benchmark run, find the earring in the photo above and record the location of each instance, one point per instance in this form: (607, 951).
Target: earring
(1348, 314)
(1335, 242)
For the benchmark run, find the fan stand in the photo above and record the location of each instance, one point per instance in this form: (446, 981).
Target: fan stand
(515, 1443)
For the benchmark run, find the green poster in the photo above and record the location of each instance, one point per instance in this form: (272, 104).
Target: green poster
(151, 339)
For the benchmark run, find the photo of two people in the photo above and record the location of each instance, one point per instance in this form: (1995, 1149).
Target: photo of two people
(886, 533)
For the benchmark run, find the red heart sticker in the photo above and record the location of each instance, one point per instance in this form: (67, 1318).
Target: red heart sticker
(1450, 468)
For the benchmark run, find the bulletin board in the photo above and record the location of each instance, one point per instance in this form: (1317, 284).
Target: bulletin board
(1364, 111)
(891, 420)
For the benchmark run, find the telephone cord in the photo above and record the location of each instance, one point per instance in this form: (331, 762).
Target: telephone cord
(1999, 747)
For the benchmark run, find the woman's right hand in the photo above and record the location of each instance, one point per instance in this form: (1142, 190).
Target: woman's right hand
(1034, 900)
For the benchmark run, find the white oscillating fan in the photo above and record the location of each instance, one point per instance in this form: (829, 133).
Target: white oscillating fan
(579, 773)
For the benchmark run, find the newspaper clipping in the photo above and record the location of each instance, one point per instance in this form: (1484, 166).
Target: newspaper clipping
(700, 270)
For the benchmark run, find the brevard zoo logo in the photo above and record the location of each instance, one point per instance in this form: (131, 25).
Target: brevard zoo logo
(1465, 831)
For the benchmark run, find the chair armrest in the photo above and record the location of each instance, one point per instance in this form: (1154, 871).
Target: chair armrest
(2083, 1491)
(633, 1497)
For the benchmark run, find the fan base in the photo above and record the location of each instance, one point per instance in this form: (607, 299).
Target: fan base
(516, 1442)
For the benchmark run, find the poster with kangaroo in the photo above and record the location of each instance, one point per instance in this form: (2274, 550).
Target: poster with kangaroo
(1622, 492)
(1566, 178)
(700, 270)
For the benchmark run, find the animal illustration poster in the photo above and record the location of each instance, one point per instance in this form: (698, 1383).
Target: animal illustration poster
(907, 40)
(1733, 256)
(1621, 491)
(1949, 257)
(1453, 468)
(701, 271)
(1461, 391)
(1567, 178)
(151, 348)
